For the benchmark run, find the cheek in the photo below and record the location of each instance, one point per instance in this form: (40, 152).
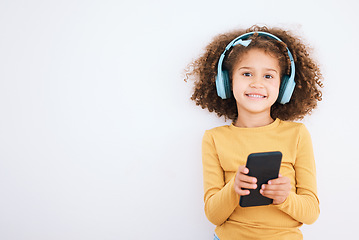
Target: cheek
(275, 85)
(237, 87)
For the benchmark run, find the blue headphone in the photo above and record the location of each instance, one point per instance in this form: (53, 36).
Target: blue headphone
(222, 79)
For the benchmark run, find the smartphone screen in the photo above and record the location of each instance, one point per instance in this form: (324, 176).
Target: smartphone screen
(264, 166)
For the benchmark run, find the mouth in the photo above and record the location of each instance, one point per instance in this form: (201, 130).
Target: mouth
(255, 96)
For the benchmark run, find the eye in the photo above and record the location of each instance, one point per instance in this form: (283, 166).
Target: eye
(247, 74)
(268, 76)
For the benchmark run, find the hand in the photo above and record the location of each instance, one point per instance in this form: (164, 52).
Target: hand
(277, 189)
(243, 181)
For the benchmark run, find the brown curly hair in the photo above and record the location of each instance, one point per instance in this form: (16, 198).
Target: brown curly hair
(307, 74)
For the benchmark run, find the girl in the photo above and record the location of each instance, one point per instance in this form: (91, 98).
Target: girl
(261, 79)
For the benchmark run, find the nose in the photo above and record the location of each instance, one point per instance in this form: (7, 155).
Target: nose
(256, 82)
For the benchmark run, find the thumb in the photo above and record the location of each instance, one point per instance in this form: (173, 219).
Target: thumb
(243, 169)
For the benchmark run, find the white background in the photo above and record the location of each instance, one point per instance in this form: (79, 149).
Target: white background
(98, 137)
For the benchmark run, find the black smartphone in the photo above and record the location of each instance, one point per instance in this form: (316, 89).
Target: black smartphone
(264, 166)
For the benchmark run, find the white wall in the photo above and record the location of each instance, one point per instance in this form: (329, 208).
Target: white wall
(98, 137)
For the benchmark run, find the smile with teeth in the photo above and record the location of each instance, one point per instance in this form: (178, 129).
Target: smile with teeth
(255, 96)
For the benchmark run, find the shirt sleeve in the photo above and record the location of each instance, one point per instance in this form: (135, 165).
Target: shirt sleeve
(303, 204)
(220, 198)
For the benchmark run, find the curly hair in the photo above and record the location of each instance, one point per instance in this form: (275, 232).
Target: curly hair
(307, 75)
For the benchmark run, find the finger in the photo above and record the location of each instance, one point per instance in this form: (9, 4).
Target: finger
(271, 187)
(247, 179)
(241, 192)
(280, 180)
(273, 194)
(266, 194)
(245, 170)
(244, 184)
(276, 187)
(240, 177)
(247, 185)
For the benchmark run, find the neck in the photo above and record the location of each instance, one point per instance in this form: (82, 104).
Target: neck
(251, 121)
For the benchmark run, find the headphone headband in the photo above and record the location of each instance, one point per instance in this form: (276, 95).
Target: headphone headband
(223, 82)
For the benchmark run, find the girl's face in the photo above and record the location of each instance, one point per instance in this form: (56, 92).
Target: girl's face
(256, 81)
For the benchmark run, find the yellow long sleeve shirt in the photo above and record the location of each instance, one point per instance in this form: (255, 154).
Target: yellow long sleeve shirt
(225, 148)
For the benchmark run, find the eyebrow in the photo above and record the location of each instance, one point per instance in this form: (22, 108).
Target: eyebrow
(267, 69)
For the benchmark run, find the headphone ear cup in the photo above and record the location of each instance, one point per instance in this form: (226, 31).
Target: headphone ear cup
(223, 85)
(286, 89)
(227, 84)
(282, 87)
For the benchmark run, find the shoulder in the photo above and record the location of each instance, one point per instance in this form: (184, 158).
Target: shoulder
(293, 125)
(219, 129)
(297, 128)
(217, 132)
